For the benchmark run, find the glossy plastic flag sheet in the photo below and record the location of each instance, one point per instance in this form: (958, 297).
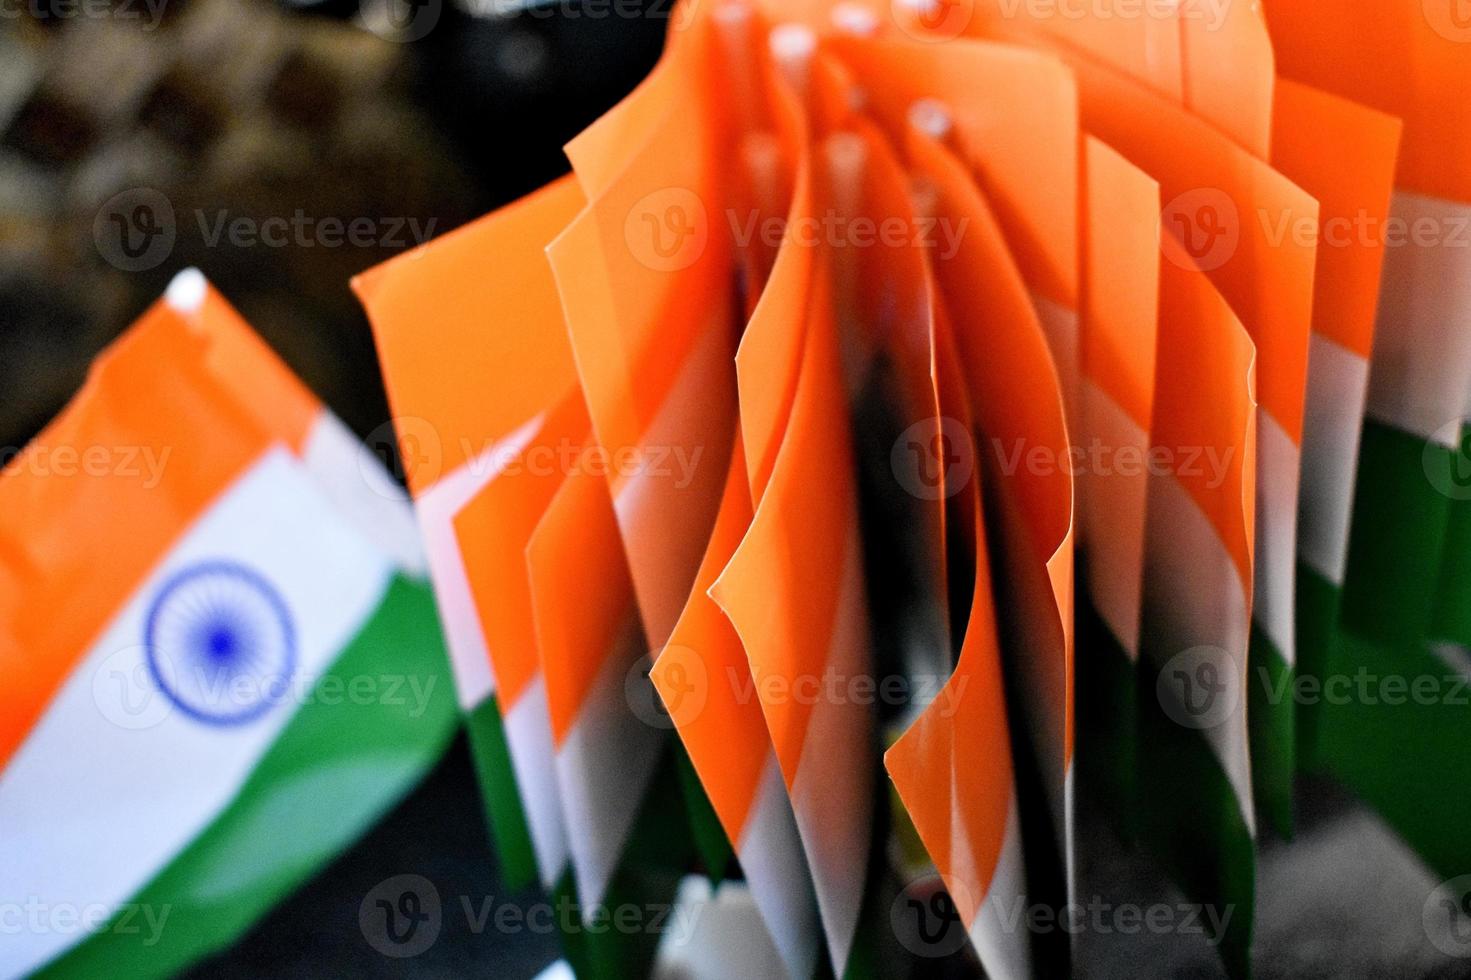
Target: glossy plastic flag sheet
(221, 633)
(911, 429)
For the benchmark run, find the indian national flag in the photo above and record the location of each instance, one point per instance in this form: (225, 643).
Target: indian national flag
(1121, 260)
(953, 767)
(535, 589)
(484, 419)
(222, 663)
(1195, 765)
(1344, 155)
(1015, 393)
(1404, 581)
(703, 679)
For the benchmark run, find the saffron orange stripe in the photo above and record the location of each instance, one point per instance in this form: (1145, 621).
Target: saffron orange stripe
(1121, 280)
(704, 677)
(581, 592)
(493, 530)
(1021, 141)
(1254, 230)
(450, 315)
(1202, 400)
(1344, 46)
(1312, 129)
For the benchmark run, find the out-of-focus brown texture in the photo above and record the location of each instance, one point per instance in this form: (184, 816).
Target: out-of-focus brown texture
(229, 108)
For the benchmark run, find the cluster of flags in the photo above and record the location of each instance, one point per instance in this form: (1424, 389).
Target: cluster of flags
(897, 403)
(1096, 402)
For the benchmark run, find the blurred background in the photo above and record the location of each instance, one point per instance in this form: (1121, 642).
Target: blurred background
(416, 114)
(419, 115)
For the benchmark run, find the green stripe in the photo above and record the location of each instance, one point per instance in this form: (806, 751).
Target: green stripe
(336, 767)
(1270, 721)
(1318, 604)
(1395, 547)
(1193, 822)
(500, 795)
(1107, 693)
(1451, 617)
(1407, 760)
